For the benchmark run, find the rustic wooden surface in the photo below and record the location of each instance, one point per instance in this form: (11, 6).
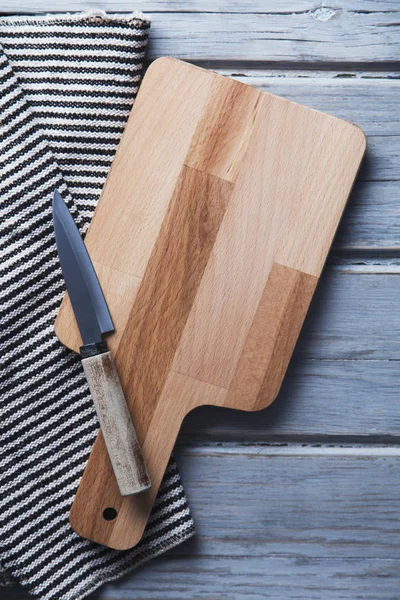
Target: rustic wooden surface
(302, 499)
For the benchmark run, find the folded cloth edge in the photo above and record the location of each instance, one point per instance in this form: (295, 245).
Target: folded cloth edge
(100, 15)
(107, 576)
(111, 574)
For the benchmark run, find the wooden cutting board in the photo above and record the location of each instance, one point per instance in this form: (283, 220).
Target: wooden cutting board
(208, 240)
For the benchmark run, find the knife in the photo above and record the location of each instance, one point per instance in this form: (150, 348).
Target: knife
(94, 320)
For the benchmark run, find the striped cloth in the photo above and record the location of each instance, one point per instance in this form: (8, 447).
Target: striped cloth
(67, 84)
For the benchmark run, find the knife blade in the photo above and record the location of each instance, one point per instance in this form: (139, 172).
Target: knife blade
(94, 320)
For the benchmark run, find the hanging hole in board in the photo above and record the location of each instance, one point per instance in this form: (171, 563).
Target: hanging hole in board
(109, 514)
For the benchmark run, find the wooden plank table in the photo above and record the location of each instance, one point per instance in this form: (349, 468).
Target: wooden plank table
(301, 500)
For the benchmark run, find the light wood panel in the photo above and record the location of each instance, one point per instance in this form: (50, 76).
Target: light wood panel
(370, 221)
(246, 191)
(345, 94)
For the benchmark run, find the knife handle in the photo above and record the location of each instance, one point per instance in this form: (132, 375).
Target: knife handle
(115, 420)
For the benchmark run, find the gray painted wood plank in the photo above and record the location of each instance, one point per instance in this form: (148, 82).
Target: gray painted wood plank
(329, 501)
(299, 38)
(191, 577)
(381, 162)
(194, 577)
(353, 316)
(281, 523)
(201, 6)
(258, 578)
(371, 220)
(321, 35)
(319, 400)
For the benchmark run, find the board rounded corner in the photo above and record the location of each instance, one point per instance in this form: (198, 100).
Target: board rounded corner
(359, 134)
(266, 400)
(162, 63)
(363, 138)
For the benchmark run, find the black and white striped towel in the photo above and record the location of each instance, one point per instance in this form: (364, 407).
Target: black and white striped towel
(67, 84)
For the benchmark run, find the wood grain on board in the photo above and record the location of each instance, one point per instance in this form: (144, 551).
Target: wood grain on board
(220, 207)
(267, 349)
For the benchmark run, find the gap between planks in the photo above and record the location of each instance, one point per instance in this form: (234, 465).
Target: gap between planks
(361, 263)
(345, 69)
(290, 449)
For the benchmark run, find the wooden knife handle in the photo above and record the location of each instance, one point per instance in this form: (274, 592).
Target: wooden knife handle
(115, 420)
